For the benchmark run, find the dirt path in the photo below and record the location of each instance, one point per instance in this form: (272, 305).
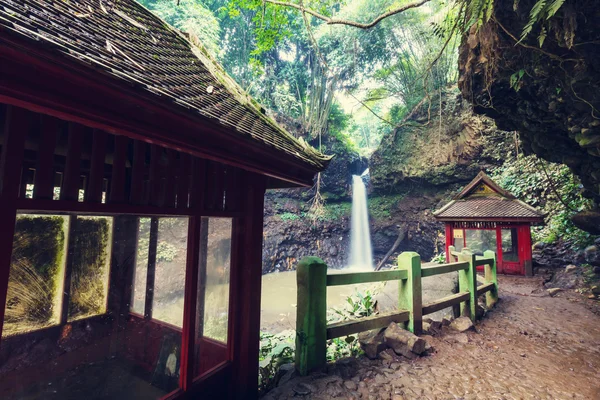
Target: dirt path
(530, 346)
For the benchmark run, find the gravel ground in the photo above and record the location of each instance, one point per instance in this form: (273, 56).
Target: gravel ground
(531, 346)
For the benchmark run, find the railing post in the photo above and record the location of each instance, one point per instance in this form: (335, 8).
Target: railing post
(467, 282)
(410, 295)
(311, 317)
(451, 249)
(491, 297)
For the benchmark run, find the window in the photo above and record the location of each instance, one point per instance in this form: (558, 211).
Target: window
(458, 239)
(510, 248)
(218, 259)
(90, 264)
(35, 285)
(480, 240)
(138, 301)
(169, 275)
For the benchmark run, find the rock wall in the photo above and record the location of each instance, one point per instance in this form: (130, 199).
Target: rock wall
(550, 94)
(416, 169)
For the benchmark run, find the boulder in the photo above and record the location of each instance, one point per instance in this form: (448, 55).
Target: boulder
(432, 327)
(588, 221)
(553, 291)
(372, 342)
(570, 268)
(462, 324)
(596, 290)
(402, 340)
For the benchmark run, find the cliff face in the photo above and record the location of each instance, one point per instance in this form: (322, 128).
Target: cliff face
(415, 170)
(551, 95)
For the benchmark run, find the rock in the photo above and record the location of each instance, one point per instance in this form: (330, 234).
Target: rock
(462, 324)
(479, 311)
(304, 389)
(539, 246)
(350, 385)
(588, 221)
(446, 321)
(592, 255)
(458, 338)
(285, 374)
(387, 355)
(432, 327)
(596, 270)
(596, 290)
(570, 268)
(372, 342)
(554, 291)
(400, 339)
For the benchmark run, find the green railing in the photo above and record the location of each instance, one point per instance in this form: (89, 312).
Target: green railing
(312, 330)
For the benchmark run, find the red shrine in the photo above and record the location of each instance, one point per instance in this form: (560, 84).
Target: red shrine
(486, 217)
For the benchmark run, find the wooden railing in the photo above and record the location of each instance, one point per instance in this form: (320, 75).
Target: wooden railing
(312, 330)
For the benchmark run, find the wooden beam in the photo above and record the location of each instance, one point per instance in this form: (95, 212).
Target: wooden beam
(188, 332)
(16, 127)
(44, 173)
(93, 193)
(443, 269)
(137, 174)
(486, 287)
(70, 185)
(170, 188)
(151, 273)
(117, 188)
(365, 324)
(183, 181)
(249, 275)
(445, 302)
(353, 278)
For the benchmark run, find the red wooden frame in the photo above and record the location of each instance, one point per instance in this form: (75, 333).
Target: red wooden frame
(522, 267)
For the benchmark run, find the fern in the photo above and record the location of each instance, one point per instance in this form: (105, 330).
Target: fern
(541, 11)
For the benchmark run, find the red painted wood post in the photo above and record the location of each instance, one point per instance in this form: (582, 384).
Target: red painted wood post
(410, 296)
(188, 332)
(526, 253)
(311, 315)
(93, 194)
(11, 162)
(247, 298)
(44, 173)
(70, 185)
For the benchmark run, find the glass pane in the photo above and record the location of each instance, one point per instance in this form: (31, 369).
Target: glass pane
(169, 276)
(35, 285)
(138, 293)
(92, 241)
(122, 357)
(218, 258)
(510, 245)
(480, 240)
(459, 240)
(213, 296)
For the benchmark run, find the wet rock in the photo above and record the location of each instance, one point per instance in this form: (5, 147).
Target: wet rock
(570, 268)
(592, 255)
(401, 340)
(462, 324)
(372, 342)
(554, 291)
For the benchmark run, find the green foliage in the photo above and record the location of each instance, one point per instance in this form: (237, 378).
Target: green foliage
(288, 216)
(516, 80)
(275, 350)
(165, 252)
(440, 258)
(541, 12)
(525, 178)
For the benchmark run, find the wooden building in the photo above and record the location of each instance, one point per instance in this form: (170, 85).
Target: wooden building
(486, 217)
(132, 177)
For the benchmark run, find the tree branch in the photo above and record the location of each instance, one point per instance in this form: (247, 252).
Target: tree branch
(339, 21)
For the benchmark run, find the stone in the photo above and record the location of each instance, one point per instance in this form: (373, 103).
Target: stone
(570, 268)
(596, 270)
(588, 221)
(285, 374)
(387, 354)
(479, 311)
(592, 255)
(554, 291)
(458, 338)
(432, 327)
(446, 321)
(596, 290)
(400, 339)
(350, 385)
(462, 324)
(304, 389)
(372, 342)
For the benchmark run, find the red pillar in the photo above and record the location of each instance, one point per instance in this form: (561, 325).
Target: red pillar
(449, 241)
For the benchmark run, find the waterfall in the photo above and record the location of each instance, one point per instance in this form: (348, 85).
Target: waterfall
(361, 255)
